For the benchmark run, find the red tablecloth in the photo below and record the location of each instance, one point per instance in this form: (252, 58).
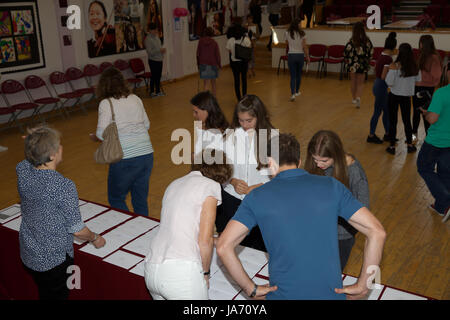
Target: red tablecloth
(99, 279)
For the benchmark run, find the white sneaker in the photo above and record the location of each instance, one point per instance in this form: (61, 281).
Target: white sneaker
(293, 97)
(354, 101)
(3, 148)
(297, 94)
(414, 139)
(358, 103)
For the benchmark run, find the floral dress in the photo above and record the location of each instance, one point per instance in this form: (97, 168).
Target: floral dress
(358, 59)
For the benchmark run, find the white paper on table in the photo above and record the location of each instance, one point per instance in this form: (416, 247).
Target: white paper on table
(137, 226)
(260, 282)
(114, 240)
(216, 263)
(139, 269)
(89, 210)
(141, 245)
(123, 259)
(104, 222)
(393, 294)
(14, 224)
(222, 286)
(252, 260)
(9, 213)
(81, 202)
(373, 293)
(265, 271)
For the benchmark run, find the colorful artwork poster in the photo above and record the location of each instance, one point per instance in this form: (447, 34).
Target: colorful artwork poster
(23, 46)
(217, 14)
(7, 50)
(22, 22)
(5, 24)
(153, 15)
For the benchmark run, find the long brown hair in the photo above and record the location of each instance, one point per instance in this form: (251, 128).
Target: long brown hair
(294, 28)
(405, 57)
(427, 50)
(359, 36)
(327, 144)
(255, 108)
(216, 119)
(112, 84)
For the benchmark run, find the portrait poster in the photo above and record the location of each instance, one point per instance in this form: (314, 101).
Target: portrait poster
(119, 26)
(217, 14)
(21, 46)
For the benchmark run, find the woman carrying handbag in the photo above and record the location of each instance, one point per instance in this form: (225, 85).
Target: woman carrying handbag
(132, 172)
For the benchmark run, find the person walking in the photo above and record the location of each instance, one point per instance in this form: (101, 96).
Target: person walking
(155, 59)
(208, 60)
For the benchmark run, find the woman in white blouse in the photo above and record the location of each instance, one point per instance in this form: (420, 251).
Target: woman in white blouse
(242, 148)
(178, 264)
(132, 173)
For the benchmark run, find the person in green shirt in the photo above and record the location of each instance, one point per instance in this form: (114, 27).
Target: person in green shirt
(435, 151)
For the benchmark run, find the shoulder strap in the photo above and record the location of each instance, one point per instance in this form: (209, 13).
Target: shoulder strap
(112, 110)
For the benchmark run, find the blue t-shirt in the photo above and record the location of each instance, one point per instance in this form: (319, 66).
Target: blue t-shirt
(297, 213)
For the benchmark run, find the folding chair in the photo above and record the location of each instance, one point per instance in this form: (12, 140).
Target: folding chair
(5, 110)
(138, 67)
(17, 97)
(36, 84)
(92, 73)
(335, 56)
(317, 54)
(66, 91)
(80, 84)
(124, 67)
(284, 59)
(105, 65)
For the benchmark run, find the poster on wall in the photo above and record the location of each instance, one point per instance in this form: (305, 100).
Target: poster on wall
(217, 14)
(118, 26)
(21, 46)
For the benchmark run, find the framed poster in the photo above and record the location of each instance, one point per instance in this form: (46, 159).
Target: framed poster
(217, 14)
(21, 46)
(118, 26)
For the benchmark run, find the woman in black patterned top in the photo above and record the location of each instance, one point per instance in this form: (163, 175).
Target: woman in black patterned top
(358, 52)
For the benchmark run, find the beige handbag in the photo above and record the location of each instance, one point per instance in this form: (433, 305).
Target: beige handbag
(110, 151)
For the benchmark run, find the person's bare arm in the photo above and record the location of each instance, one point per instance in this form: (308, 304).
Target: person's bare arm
(85, 234)
(206, 232)
(431, 117)
(233, 234)
(365, 222)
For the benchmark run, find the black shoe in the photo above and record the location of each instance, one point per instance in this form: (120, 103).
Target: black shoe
(374, 139)
(387, 138)
(411, 149)
(390, 150)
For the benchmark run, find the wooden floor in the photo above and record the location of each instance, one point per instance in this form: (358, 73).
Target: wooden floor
(417, 253)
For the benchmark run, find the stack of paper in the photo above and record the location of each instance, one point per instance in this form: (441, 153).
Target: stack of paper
(139, 269)
(14, 224)
(123, 259)
(137, 226)
(89, 210)
(114, 240)
(141, 245)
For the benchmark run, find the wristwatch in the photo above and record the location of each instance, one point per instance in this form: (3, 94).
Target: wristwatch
(95, 237)
(253, 294)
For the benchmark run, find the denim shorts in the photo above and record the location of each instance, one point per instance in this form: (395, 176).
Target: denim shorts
(208, 72)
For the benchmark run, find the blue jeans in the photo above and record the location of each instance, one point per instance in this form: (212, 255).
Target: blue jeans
(438, 182)
(381, 105)
(295, 64)
(130, 175)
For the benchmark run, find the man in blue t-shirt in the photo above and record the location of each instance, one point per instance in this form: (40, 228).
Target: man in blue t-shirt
(297, 214)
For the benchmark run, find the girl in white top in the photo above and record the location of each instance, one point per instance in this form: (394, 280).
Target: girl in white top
(296, 42)
(210, 122)
(178, 264)
(242, 148)
(237, 34)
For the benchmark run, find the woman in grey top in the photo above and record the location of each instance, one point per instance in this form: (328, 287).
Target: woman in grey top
(155, 59)
(326, 156)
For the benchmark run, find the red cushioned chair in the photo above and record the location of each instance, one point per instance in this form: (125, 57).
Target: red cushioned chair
(80, 84)
(284, 59)
(105, 65)
(92, 73)
(36, 84)
(335, 56)
(138, 67)
(17, 98)
(64, 90)
(317, 54)
(124, 67)
(4, 111)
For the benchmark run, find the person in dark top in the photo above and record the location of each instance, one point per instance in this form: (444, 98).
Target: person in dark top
(255, 10)
(50, 215)
(104, 42)
(307, 9)
(380, 90)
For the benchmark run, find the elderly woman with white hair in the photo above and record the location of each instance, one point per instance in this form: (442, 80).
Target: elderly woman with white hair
(50, 215)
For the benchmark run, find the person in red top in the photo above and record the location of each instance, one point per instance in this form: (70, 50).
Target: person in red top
(208, 59)
(380, 90)
(431, 68)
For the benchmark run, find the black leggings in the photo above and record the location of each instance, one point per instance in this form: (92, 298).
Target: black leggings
(405, 108)
(239, 69)
(155, 80)
(224, 214)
